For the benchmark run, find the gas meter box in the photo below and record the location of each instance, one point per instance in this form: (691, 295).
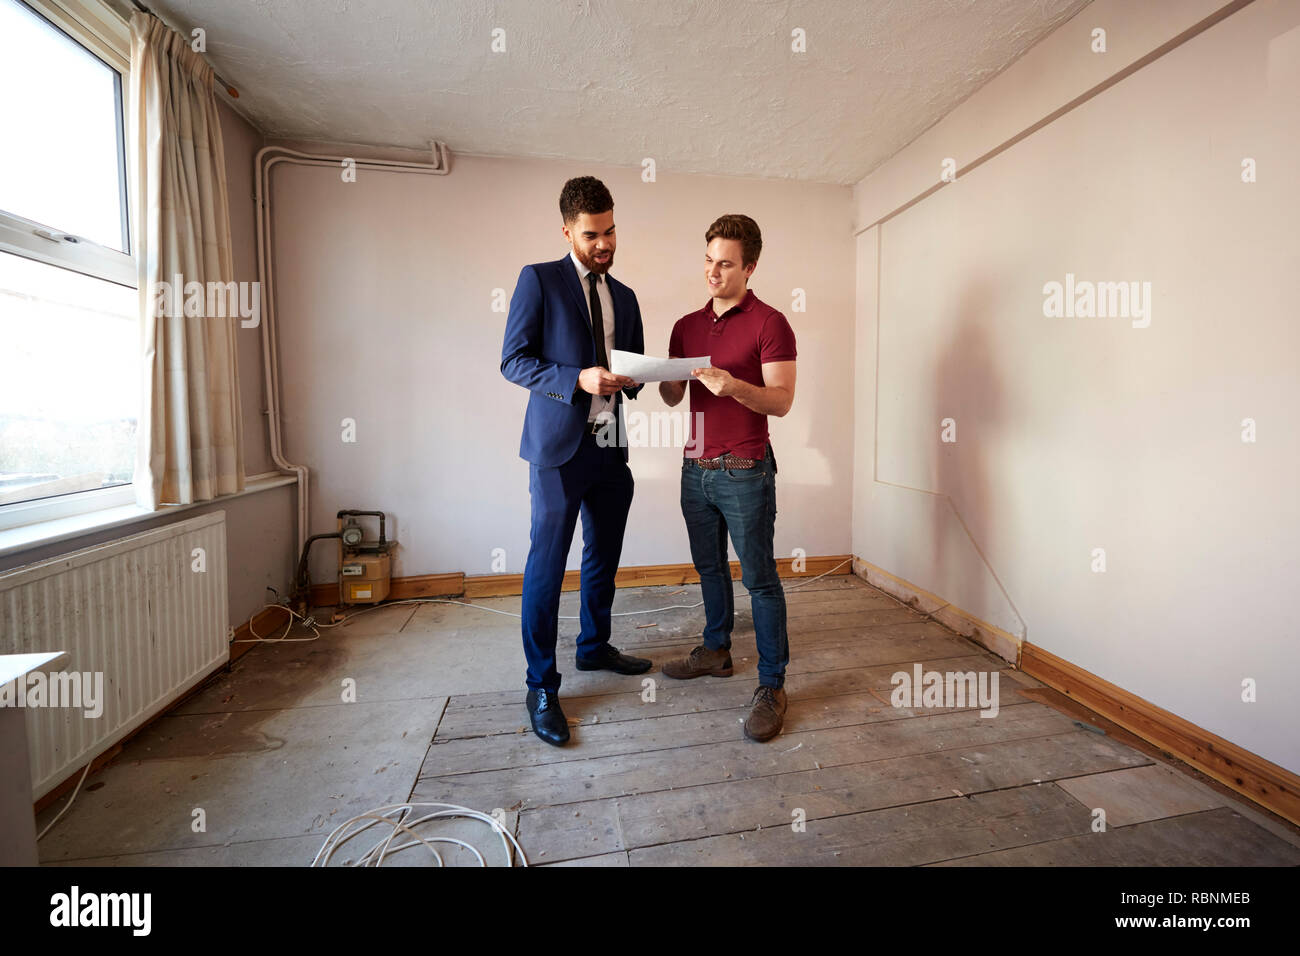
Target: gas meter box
(364, 578)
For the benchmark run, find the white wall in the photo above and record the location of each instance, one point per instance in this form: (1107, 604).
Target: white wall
(384, 289)
(1083, 433)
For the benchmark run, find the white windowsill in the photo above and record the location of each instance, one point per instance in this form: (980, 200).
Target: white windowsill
(39, 533)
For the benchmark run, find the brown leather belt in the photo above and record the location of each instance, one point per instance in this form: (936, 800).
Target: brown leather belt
(726, 461)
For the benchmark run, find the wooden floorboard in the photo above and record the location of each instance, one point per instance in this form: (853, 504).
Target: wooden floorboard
(868, 596)
(571, 781)
(900, 644)
(850, 631)
(899, 836)
(1217, 837)
(668, 779)
(769, 802)
(480, 715)
(670, 731)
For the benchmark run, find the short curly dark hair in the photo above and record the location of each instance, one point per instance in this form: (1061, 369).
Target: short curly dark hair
(584, 194)
(741, 228)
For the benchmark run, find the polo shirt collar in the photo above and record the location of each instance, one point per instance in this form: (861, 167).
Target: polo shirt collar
(744, 305)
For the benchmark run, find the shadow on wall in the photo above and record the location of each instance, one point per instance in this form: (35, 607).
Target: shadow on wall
(967, 391)
(823, 434)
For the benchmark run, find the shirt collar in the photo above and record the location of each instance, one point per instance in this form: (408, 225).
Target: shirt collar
(583, 271)
(744, 305)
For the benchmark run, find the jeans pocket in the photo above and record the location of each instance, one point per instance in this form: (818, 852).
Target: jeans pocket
(745, 474)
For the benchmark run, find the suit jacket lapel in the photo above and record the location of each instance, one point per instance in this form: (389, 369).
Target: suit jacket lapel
(569, 275)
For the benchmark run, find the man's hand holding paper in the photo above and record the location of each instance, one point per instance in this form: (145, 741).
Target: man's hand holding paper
(648, 368)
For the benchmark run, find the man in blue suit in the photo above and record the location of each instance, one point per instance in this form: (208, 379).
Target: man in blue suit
(565, 319)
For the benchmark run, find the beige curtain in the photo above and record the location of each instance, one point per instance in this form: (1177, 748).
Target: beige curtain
(190, 432)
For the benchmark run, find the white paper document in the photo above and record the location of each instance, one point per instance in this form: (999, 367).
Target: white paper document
(647, 368)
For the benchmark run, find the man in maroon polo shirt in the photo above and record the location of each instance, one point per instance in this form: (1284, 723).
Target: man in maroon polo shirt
(731, 487)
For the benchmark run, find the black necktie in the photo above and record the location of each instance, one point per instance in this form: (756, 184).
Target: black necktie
(597, 322)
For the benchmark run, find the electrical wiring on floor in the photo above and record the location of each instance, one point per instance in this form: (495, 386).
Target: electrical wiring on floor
(75, 791)
(314, 624)
(376, 855)
(493, 610)
(284, 638)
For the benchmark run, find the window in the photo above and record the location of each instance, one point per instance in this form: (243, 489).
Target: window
(69, 393)
(69, 170)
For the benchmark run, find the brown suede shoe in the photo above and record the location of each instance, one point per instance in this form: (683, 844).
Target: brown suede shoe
(767, 713)
(699, 662)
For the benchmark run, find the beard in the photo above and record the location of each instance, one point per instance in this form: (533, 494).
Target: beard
(600, 268)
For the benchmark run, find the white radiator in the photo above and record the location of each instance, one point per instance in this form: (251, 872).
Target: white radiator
(134, 610)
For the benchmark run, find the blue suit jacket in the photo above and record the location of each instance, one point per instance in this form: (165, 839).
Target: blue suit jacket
(548, 342)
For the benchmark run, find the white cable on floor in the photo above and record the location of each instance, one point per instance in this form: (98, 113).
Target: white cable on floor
(75, 791)
(563, 617)
(376, 855)
(315, 624)
(284, 637)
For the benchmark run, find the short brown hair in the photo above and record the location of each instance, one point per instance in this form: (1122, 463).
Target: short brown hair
(741, 228)
(584, 194)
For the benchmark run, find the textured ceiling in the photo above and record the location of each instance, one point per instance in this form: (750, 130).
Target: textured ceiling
(700, 87)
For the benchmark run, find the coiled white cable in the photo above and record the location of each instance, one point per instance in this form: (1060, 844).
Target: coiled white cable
(376, 855)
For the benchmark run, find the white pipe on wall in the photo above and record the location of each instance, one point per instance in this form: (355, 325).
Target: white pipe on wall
(263, 162)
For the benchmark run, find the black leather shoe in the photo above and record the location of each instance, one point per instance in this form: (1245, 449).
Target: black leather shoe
(548, 720)
(612, 660)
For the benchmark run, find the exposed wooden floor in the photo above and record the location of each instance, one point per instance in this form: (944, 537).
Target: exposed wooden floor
(673, 781)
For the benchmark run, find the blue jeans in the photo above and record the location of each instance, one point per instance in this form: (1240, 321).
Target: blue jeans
(743, 503)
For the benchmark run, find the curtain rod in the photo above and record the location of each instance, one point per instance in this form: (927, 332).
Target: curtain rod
(234, 93)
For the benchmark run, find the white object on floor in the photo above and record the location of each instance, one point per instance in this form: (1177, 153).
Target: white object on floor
(17, 825)
(376, 854)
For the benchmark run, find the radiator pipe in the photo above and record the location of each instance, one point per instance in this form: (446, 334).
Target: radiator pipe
(267, 158)
(302, 580)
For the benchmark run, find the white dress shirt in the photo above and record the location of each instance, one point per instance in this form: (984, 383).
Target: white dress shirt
(602, 406)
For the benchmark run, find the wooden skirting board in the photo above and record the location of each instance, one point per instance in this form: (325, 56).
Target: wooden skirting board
(1002, 643)
(458, 584)
(1273, 787)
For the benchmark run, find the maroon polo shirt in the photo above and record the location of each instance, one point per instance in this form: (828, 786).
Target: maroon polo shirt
(739, 341)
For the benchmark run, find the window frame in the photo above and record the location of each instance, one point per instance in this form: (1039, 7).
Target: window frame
(104, 32)
(100, 31)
